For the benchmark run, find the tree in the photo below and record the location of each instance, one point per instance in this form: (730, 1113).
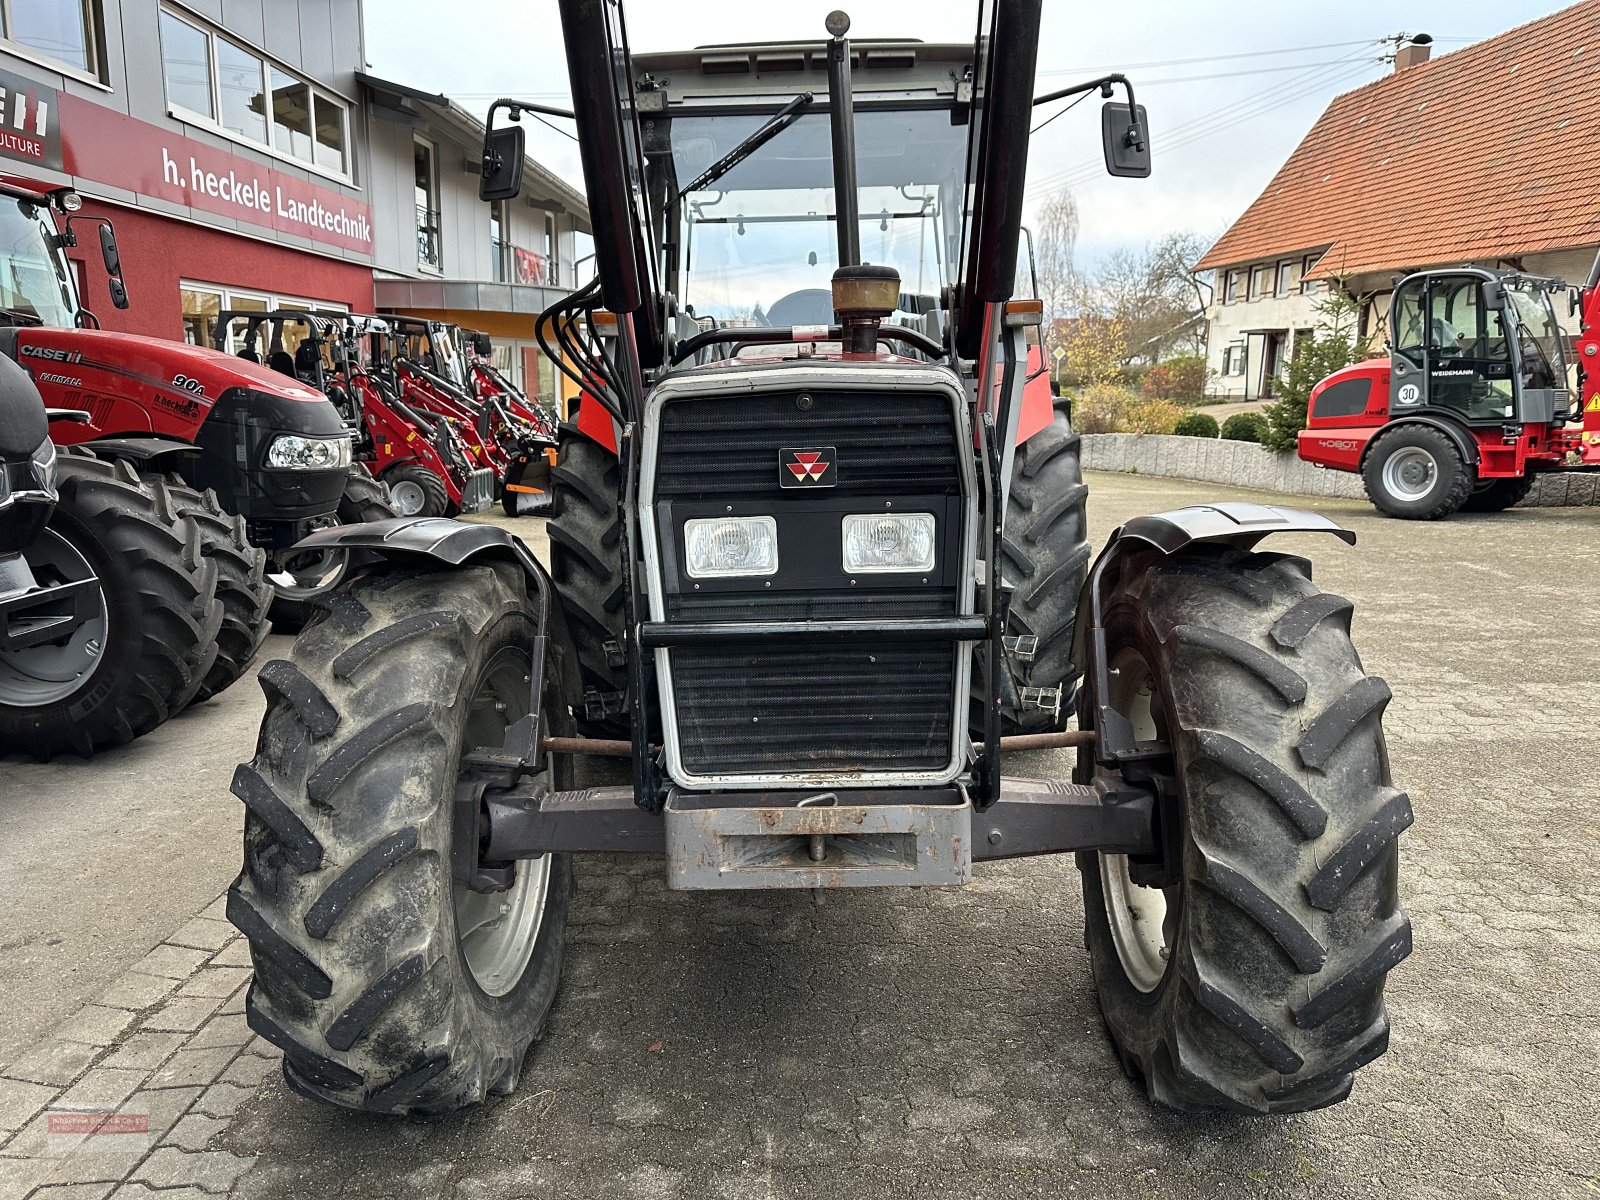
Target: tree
(1094, 348)
(1153, 292)
(1333, 344)
(1055, 242)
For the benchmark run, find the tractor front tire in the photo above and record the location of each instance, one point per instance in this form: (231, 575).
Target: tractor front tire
(242, 585)
(585, 532)
(387, 984)
(300, 581)
(1497, 495)
(1416, 473)
(1243, 969)
(1045, 554)
(150, 638)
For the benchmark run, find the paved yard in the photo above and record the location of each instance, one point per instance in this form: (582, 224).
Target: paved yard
(888, 1043)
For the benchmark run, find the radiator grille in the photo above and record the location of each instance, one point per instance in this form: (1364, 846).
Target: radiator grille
(888, 443)
(841, 605)
(814, 707)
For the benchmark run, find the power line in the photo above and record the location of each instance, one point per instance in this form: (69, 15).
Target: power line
(1184, 62)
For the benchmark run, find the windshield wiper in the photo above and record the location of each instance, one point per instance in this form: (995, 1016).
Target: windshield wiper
(781, 120)
(17, 316)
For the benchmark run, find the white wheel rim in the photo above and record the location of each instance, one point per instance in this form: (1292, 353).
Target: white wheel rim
(1410, 473)
(1143, 920)
(407, 498)
(497, 931)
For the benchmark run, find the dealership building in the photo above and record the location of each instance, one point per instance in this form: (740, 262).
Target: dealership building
(248, 161)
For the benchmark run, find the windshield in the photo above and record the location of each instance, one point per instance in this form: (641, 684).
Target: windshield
(33, 273)
(1538, 337)
(759, 246)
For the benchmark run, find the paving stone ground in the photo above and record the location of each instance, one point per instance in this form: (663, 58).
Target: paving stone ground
(911, 1044)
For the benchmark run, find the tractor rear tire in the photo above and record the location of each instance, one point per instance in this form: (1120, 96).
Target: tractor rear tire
(363, 976)
(585, 531)
(365, 499)
(144, 655)
(1416, 473)
(1247, 973)
(1497, 495)
(1045, 554)
(415, 491)
(242, 585)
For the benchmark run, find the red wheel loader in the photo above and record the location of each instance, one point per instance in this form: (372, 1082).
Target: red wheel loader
(1474, 400)
(803, 526)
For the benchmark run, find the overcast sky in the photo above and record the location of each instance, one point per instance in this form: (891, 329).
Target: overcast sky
(1231, 85)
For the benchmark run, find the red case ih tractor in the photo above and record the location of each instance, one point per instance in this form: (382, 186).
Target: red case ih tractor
(1473, 401)
(181, 466)
(805, 537)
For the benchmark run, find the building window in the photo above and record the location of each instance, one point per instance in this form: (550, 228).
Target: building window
(1309, 287)
(497, 241)
(1288, 277)
(1233, 360)
(551, 246)
(1260, 282)
(1232, 293)
(60, 29)
(427, 200)
(186, 63)
(228, 85)
(204, 303)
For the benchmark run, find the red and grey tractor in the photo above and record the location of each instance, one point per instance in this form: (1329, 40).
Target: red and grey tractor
(184, 473)
(1474, 400)
(811, 529)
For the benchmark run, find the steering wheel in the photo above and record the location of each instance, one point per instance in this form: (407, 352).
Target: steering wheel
(809, 306)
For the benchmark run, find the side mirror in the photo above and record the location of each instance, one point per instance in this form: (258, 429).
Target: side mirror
(482, 345)
(1494, 295)
(108, 252)
(502, 163)
(119, 293)
(1127, 140)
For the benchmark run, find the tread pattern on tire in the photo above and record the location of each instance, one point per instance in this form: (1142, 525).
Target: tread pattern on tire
(585, 531)
(1497, 495)
(1291, 918)
(348, 978)
(1045, 553)
(242, 586)
(172, 586)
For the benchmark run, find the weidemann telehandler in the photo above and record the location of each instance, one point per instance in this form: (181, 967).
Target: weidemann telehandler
(809, 504)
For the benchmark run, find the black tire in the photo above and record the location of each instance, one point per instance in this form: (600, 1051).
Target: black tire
(346, 893)
(435, 497)
(160, 617)
(1045, 554)
(364, 499)
(1449, 478)
(1267, 995)
(585, 532)
(1497, 495)
(242, 586)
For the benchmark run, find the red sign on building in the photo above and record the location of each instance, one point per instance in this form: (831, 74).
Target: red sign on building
(30, 122)
(115, 149)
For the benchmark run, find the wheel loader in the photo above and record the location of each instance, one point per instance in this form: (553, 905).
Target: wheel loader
(804, 344)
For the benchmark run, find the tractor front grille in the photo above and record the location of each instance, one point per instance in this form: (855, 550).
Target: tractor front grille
(800, 705)
(814, 707)
(888, 444)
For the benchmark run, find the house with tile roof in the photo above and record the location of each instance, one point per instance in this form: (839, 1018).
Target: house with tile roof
(1481, 156)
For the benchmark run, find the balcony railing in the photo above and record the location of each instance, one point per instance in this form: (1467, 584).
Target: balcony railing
(428, 254)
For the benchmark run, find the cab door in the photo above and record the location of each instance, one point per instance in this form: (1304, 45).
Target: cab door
(1449, 351)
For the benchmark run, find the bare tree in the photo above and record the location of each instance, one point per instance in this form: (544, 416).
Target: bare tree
(1153, 292)
(1055, 242)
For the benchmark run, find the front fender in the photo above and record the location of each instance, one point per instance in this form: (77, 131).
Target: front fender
(1229, 523)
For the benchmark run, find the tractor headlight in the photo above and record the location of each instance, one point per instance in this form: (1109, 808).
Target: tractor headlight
(294, 452)
(888, 542)
(717, 547)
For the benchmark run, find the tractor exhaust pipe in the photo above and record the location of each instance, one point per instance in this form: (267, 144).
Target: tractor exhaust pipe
(842, 119)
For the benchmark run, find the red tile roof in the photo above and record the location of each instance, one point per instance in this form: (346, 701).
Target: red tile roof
(1489, 152)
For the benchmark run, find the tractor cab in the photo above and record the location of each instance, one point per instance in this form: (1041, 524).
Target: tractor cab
(1483, 346)
(38, 286)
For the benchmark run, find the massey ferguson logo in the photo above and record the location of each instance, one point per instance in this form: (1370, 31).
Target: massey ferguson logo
(813, 467)
(52, 353)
